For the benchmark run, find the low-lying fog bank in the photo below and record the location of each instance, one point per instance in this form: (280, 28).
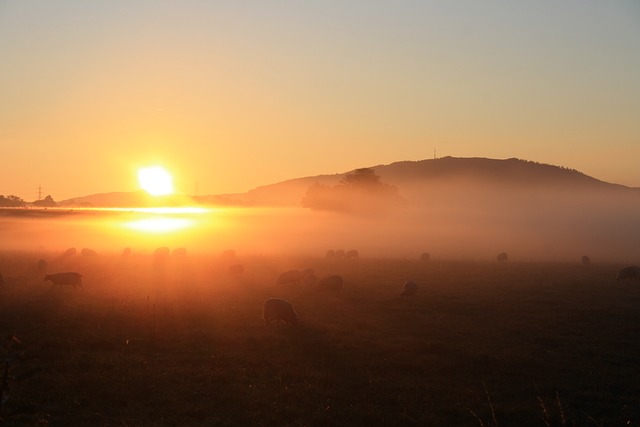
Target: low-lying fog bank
(466, 228)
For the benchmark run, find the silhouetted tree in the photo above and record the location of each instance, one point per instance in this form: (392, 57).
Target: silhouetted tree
(47, 202)
(359, 191)
(11, 201)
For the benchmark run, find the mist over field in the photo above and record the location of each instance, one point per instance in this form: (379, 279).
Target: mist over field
(448, 225)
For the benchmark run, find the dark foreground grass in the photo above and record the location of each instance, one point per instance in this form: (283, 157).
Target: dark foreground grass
(531, 344)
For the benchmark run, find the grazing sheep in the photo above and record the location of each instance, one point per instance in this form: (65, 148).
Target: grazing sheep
(291, 276)
(629, 273)
(352, 254)
(425, 257)
(331, 283)
(161, 255)
(409, 288)
(62, 279)
(502, 257)
(180, 252)
(235, 270)
(86, 252)
(41, 265)
(279, 310)
(331, 253)
(71, 252)
(586, 260)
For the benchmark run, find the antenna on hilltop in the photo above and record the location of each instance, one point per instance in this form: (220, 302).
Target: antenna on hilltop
(434, 153)
(39, 192)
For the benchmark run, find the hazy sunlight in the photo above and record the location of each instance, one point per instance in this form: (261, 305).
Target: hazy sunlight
(155, 180)
(159, 225)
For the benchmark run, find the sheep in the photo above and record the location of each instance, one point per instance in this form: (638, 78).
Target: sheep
(409, 288)
(179, 252)
(629, 273)
(352, 254)
(502, 257)
(61, 279)
(86, 252)
(425, 257)
(41, 265)
(586, 260)
(291, 276)
(160, 257)
(71, 252)
(331, 253)
(279, 310)
(331, 283)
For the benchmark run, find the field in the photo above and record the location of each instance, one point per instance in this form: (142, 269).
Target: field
(183, 343)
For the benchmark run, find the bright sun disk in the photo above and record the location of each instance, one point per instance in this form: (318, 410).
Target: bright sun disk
(155, 180)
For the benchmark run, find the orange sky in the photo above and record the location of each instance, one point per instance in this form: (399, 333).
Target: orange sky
(231, 95)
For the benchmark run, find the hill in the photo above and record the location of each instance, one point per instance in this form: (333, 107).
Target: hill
(418, 182)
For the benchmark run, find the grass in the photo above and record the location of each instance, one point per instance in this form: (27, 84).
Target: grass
(481, 344)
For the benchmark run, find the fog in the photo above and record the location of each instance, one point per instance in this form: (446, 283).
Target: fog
(465, 223)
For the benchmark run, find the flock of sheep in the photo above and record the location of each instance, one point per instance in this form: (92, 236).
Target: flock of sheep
(274, 309)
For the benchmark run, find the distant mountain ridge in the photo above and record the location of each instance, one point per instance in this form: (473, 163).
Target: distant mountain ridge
(414, 179)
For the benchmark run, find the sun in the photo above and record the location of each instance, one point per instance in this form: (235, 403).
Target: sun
(155, 180)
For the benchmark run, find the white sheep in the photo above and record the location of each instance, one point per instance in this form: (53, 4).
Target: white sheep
(279, 310)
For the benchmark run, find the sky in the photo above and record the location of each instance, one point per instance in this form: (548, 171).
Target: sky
(230, 95)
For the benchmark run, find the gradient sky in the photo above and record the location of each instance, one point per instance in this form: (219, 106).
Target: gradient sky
(235, 94)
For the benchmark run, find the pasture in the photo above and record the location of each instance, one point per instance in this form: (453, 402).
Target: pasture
(183, 343)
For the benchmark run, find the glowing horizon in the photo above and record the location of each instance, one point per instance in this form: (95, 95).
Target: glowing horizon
(238, 95)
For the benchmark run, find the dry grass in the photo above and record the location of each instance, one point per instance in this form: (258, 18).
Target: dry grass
(480, 344)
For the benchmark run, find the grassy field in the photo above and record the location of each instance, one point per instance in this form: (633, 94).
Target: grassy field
(481, 344)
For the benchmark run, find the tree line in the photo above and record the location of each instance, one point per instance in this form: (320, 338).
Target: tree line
(12, 201)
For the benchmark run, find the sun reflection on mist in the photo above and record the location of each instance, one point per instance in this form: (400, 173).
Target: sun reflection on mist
(159, 225)
(163, 219)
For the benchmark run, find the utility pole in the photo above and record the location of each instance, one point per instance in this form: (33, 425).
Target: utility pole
(39, 192)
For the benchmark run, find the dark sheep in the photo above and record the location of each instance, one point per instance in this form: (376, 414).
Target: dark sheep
(86, 252)
(65, 279)
(71, 252)
(352, 254)
(586, 260)
(409, 288)
(277, 309)
(502, 257)
(629, 273)
(291, 276)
